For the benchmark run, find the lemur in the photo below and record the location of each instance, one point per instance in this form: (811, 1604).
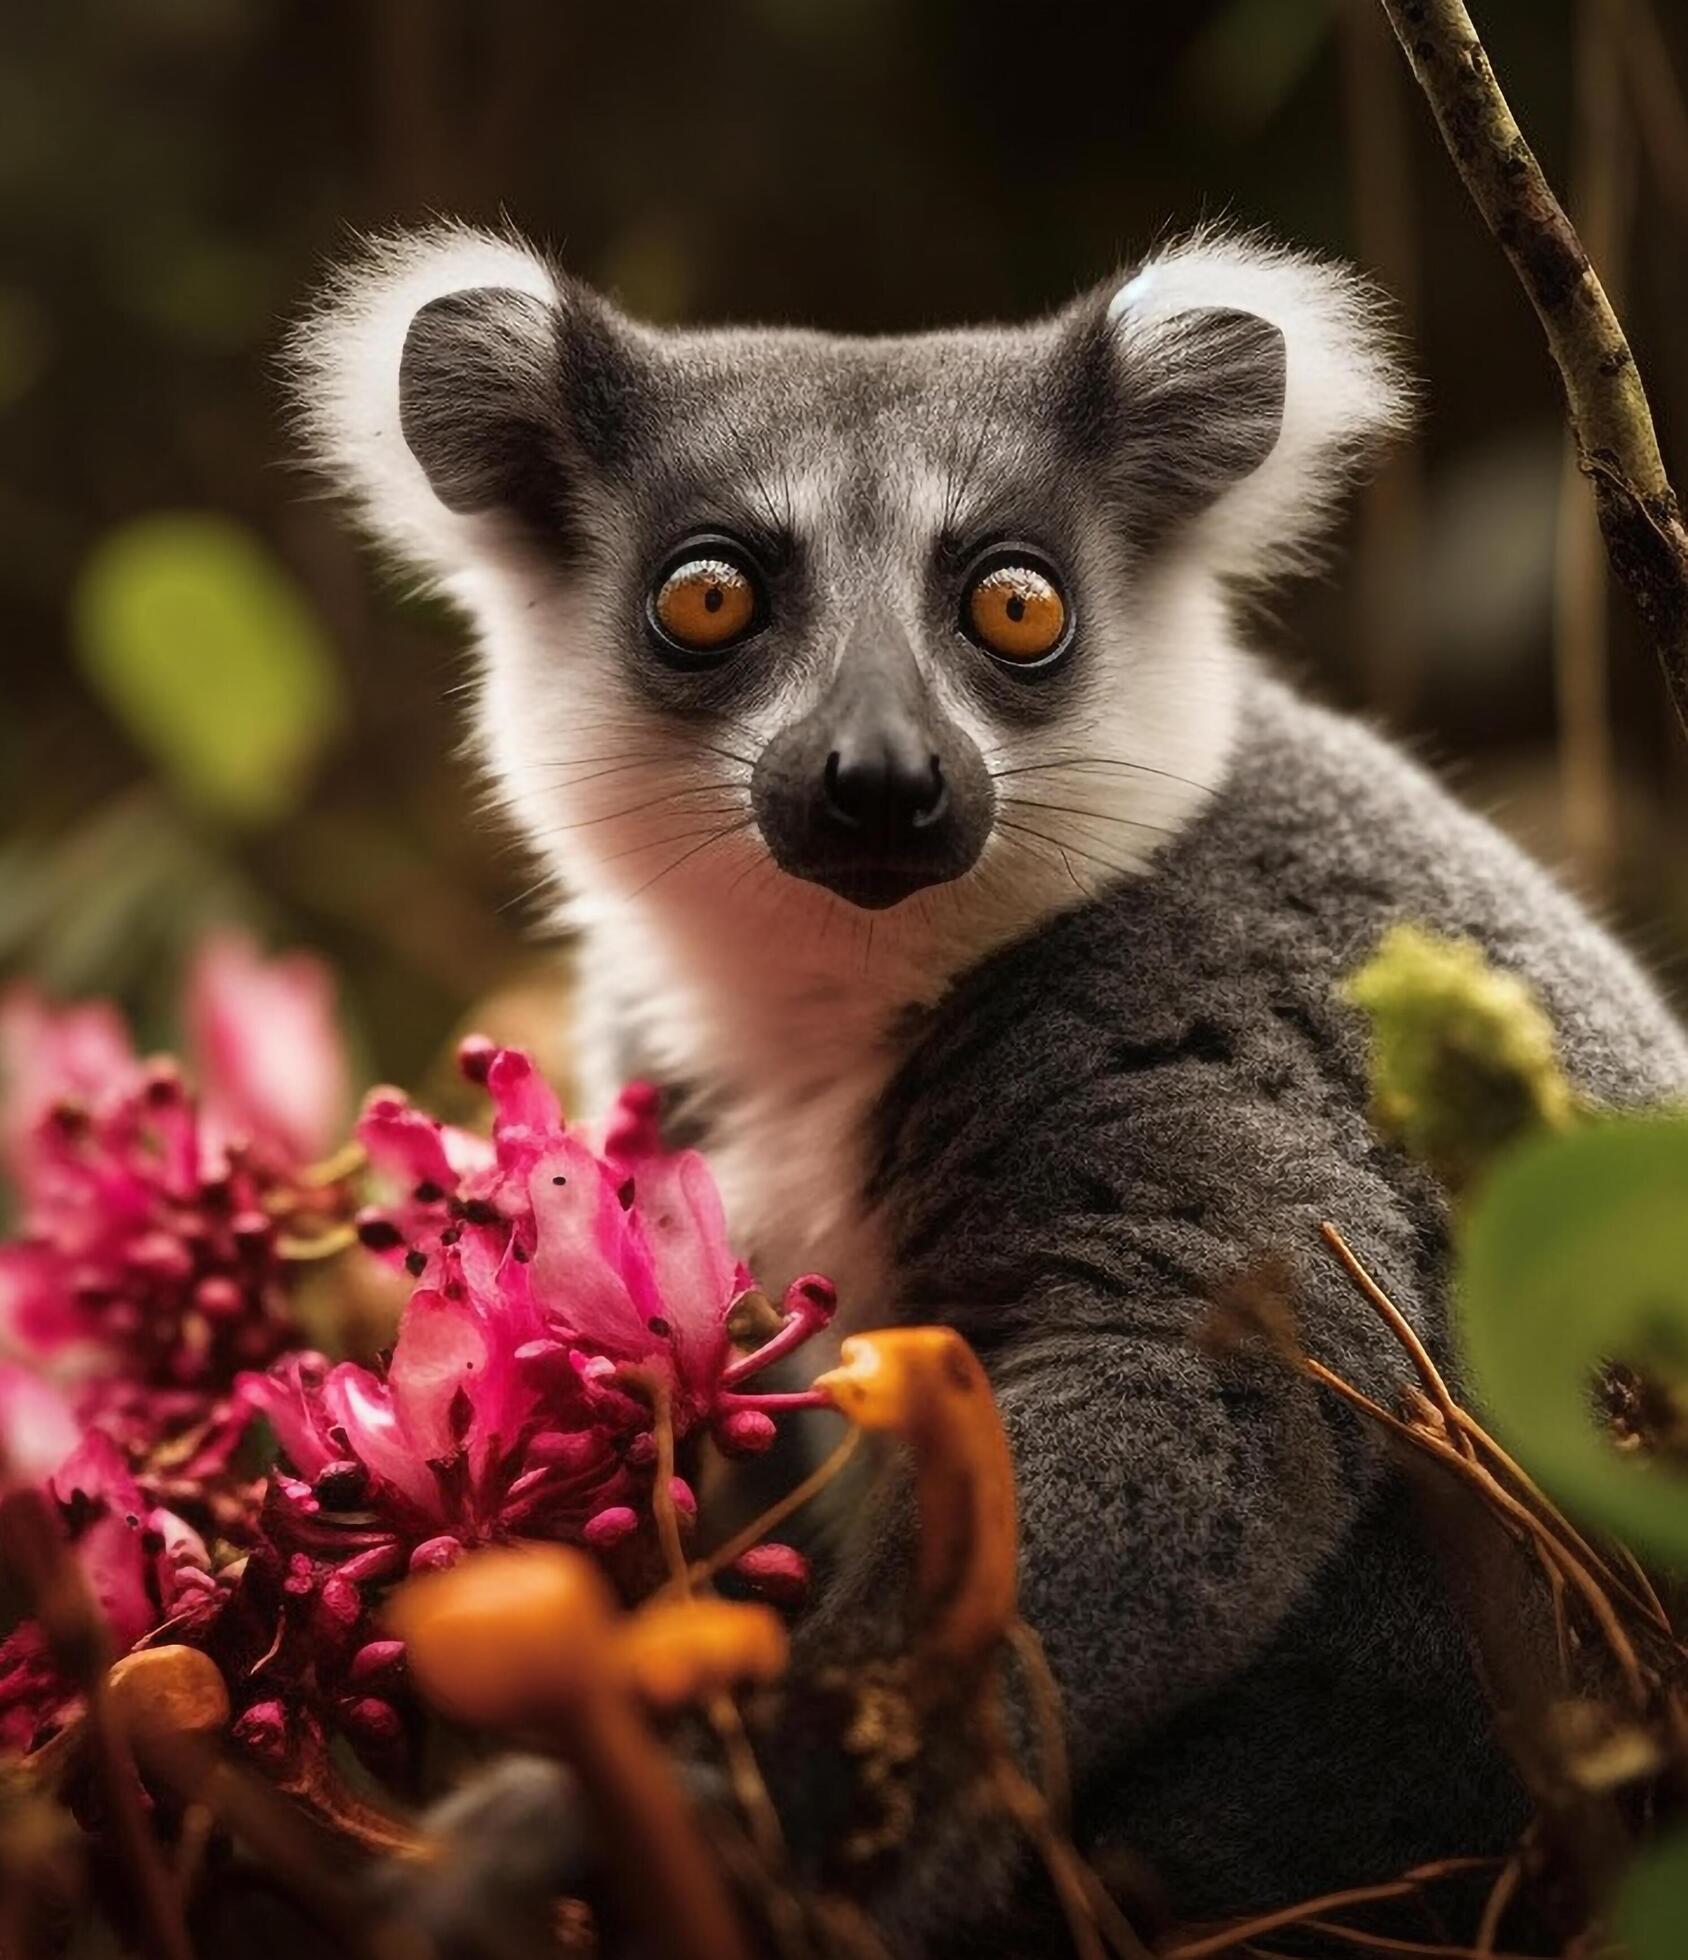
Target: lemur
(930, 831)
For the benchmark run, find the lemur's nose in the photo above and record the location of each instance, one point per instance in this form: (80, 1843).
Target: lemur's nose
(885, 784)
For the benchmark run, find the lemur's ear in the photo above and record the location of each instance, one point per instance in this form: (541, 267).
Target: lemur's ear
(1253, 384)
(449, 380)
(1199, 405)
(478, 396)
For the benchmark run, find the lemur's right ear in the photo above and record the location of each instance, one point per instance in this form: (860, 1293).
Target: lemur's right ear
(449, 380)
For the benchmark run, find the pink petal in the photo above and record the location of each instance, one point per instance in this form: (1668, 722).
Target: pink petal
(521, 1097)
(580, 1255)
(363, 1407)
(678, 1219)
(271, 1066)
(403, 1144)
(110, 1546)
(37, 1428)
(289, 1398)
(51, 1054)
(38, 1310)
(440, 1355)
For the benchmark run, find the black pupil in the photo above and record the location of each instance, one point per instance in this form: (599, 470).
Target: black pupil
(714, 599)
(1016, 607)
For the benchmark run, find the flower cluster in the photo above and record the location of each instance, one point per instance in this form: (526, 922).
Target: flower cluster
(148, 1266)
(564, 1297)
(575, 1325)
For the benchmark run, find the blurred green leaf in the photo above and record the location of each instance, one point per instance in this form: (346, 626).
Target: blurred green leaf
(210, 292)
(204, 648)
(1652, 1907)
(1574, 1256)
(1251, 57)
(1463, 1057)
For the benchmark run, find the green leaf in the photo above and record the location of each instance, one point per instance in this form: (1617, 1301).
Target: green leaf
(1575, 1255)
(1652, 1906)
(207, 652)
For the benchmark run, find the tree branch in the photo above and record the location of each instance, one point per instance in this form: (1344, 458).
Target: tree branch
(1640, 520)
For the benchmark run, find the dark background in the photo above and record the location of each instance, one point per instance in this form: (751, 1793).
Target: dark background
(175, 173)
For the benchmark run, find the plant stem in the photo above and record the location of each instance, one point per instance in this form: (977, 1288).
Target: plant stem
(1617, 448)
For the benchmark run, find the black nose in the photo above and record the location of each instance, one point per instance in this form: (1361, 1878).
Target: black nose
(888, 789)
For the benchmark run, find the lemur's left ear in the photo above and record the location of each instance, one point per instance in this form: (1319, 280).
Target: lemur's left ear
(450, 380)
(1254, 383)
(1196, 403)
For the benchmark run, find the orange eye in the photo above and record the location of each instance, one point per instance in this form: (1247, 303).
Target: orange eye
(705, 604)
(1015, 612)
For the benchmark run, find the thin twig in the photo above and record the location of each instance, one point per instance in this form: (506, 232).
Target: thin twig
(1638, 1591)
(1403, 1887)
(1532, 1527)
(1387, 1943)
(1500, 1897)
(1045, 1698)
(1469, 1437)
(771, 1519)
(1617, 445)
(1398, 1324)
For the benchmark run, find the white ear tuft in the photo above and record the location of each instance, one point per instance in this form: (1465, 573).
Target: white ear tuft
(342, 364)
(1345, 391)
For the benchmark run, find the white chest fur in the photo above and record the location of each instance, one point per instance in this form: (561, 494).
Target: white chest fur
(786, 1074)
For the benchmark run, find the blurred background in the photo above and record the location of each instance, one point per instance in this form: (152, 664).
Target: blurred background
(215, 707)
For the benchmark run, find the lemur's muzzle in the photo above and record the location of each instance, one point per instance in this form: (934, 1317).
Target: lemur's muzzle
(875, 792)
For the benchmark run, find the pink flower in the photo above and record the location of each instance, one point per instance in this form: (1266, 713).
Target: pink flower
(51, 1055)
(144, 1566)
(563, 1292)
(268, 1059)
(147, 1267)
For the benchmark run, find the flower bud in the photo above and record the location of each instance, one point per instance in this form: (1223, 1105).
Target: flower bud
(435, 1554)
(374, 1567)
(744, 1432)
(262, 1731)
(375, 1729)
(610, 1526)
(778, 1573)
(474, 1058)
(377, 1666)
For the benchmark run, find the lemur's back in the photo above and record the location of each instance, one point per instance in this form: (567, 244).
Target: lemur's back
(1102, 1127)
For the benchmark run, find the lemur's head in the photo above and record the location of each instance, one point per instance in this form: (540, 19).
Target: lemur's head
(932, 625)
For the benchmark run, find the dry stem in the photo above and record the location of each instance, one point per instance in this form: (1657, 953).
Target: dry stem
(1617, 447)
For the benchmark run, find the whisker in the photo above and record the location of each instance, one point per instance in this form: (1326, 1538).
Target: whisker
(1063, 845)
(685, 857)
(645, 843)
(1102, 762)
(1090, 816)
(637, 809)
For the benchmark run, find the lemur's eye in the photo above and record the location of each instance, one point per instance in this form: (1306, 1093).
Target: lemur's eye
(705, 604)
(1015, 611)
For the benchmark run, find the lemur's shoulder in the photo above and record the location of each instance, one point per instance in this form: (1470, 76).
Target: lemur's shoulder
(1325, 832)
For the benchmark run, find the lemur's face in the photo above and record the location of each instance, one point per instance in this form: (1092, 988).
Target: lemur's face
(869, 578)
(875, 616)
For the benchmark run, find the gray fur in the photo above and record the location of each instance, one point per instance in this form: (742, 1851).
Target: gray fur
(1267, 1695)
